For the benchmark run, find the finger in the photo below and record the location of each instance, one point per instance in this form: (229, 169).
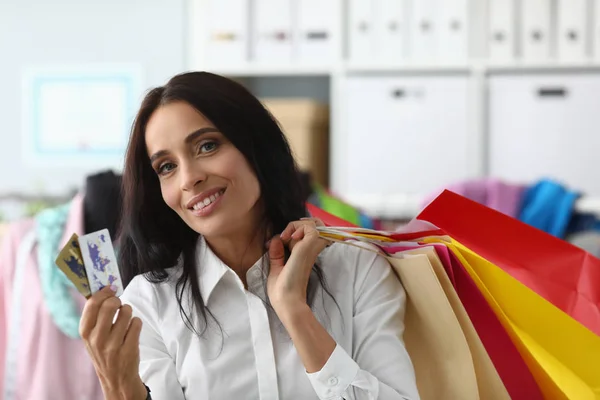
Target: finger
(276, 255)
(92, 306)
(287, 232)
(298, 234)
(293, 227)
(132, 337)
(311, 242)
(106, 316)
(317, 221)
(119, 328)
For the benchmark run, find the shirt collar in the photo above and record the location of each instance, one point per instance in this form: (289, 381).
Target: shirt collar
(212, 270)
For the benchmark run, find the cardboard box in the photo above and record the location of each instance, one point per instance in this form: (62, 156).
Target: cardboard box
(305, 123)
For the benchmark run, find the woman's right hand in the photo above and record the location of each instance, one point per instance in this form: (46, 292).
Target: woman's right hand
(113, 348)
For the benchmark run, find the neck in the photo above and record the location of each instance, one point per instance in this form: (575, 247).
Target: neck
(241, 249)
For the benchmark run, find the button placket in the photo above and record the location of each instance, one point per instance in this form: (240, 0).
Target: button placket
(263, 345)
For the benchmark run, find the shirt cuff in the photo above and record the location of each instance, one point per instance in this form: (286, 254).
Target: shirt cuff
(332, 381)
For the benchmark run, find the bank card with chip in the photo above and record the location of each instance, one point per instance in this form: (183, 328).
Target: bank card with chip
(70, 262)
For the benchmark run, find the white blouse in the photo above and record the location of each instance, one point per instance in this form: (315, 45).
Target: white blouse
(249, 355)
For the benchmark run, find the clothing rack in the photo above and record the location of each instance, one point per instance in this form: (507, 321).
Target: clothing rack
(28, 197)
(14, 205)
(588, 205)
(406, 207)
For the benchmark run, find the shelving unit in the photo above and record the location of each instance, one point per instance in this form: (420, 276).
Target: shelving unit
(477, 69)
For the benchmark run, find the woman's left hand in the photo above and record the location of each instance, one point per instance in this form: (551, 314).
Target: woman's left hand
(287, 282)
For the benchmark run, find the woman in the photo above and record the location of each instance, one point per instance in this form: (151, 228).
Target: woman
(235, 294)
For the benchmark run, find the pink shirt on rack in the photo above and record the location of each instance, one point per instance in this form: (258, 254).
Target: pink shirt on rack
(494, 193)
(49, 364)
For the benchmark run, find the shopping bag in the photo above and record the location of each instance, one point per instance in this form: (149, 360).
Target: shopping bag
(433, 336)
(327, 218)
(561, 353)
(561, 273)
(508, 363)
(489, 383)
(515, 374)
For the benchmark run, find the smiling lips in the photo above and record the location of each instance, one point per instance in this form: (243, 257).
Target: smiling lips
(202, 202)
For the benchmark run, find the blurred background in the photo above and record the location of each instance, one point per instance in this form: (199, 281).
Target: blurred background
(385, 102)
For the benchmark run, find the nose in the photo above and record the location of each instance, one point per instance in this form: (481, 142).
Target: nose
(191, 175)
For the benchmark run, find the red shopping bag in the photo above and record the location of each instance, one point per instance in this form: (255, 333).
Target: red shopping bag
(563, 274)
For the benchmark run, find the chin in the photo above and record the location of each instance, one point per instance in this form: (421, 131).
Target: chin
(211, 228)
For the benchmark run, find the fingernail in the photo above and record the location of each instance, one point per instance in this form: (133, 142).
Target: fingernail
(114, 288)
(268, 243)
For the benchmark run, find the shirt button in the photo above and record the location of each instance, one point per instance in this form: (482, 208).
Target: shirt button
(332, 381)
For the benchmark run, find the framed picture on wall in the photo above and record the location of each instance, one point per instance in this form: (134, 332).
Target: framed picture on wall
(79, 115)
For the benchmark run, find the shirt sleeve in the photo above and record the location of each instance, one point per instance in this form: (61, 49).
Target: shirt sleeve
(157, 367)
(380, 368)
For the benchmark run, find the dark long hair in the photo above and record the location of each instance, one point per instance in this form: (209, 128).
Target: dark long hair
(153, 237)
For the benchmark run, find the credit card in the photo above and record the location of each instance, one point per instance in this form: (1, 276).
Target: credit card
(100, 261)
(70, 262)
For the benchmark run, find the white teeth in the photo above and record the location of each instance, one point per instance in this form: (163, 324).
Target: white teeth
(205, 202)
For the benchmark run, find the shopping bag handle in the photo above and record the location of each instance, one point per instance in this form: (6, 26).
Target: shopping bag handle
(327, 218)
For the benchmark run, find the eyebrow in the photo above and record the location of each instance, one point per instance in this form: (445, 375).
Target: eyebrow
(189, 139)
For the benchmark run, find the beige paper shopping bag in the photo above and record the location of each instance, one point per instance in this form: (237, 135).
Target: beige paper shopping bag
(434, 338)
(489, 383)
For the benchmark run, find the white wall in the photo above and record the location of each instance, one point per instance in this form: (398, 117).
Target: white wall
(150, 33)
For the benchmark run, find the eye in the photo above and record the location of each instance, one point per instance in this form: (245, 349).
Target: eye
(207, 147)
(165, 168)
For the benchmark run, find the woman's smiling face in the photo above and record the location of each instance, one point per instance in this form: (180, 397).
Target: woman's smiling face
(203, 177)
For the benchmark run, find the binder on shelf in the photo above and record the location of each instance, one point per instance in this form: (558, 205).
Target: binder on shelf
(502, 28)
(391, 30)
(595, 30)
(272, 31)
(227, 40)
(453, 23)
(424, 30)
(315, 35)
(573, 33)
(361, 31)
(536, 30)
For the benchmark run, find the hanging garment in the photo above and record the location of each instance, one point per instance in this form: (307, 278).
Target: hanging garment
(548, 206)
(493, 193)
(39, 359)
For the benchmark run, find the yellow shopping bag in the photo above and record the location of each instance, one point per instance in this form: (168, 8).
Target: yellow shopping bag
(563, 355)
